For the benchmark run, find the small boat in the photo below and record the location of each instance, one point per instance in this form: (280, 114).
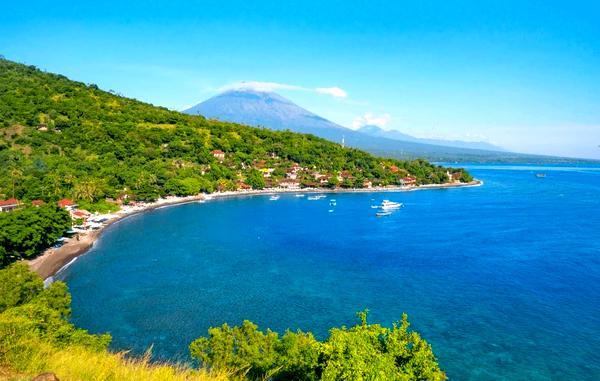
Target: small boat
(332, 202)
(383, 214)
(312, 198)
(274, 197)
(374, 206)
(389, 205)
(330, 210)
(300, 195)
(540, 175)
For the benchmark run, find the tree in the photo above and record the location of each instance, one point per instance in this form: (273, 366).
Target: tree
(255, 179)
(26, 232)
(18, 285)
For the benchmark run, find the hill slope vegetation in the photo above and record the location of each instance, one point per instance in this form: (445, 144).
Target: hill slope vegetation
(60, 138)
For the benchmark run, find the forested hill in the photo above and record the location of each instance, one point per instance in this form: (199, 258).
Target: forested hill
(61, 138)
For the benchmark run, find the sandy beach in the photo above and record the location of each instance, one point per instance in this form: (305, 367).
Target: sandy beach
(52, 260)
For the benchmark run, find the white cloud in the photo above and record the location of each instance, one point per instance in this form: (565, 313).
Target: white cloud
(371, 119)
(333, 91)
(274, 86)
(260, 86)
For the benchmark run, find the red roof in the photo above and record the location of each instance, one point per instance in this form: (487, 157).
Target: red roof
(65, 202)
(37, 202)
(217, 152)
(80, 213)
(9, 202)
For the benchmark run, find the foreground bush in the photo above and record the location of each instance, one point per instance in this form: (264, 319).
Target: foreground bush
(363, 352)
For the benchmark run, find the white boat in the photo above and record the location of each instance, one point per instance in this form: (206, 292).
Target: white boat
(300, 195)
(390, 205)
(383, 214)
(312, 198)
(316, 197)
(274, 197)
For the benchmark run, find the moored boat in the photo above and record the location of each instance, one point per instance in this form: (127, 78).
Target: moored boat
(389, 205)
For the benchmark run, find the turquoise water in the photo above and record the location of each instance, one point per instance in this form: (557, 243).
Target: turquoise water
(503, 280)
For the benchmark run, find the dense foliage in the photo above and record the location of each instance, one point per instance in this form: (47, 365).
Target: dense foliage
(27, 231)
(30, 314)
(363, 352)
(60, 138)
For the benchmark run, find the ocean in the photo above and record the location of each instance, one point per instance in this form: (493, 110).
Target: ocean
(503, 280)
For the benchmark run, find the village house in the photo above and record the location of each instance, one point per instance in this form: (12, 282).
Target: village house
(454, 177)
(289, 184)
(345, 175)
(8, 205)
(409, 180)
(323, 180)
(80, 214)
(267, 171)
(394, 169)
(292, 173)
(218, 154)
(243, 186)
(367, 184)
(67, 204)
(37, 203)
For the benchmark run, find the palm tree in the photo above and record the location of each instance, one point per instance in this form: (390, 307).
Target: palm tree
(87, 190)
(15, 173)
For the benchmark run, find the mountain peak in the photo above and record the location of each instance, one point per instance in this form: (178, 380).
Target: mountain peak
(253, 94)
(261, 108)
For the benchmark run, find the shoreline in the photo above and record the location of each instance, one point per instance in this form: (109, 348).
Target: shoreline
(53, 260)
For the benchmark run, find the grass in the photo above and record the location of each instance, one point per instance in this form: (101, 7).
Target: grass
(77, 363)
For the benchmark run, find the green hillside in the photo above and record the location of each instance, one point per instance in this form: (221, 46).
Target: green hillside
(61, 138)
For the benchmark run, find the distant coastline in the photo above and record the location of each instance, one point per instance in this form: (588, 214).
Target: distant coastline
(53, 260)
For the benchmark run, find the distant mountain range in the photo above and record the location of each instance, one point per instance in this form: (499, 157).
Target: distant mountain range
(397, 135)
(271, 110)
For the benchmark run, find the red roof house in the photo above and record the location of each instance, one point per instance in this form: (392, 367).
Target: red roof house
(66, 203)
(80, 214)
(37, 203)
(8, 205)
(409, 180)
(217, 153)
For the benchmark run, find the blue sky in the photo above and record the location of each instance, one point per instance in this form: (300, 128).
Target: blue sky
(522, 75)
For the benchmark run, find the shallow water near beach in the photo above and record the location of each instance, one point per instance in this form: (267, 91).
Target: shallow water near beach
(503, 280)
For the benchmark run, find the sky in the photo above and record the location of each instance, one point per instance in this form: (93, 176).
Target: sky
(523, 75)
